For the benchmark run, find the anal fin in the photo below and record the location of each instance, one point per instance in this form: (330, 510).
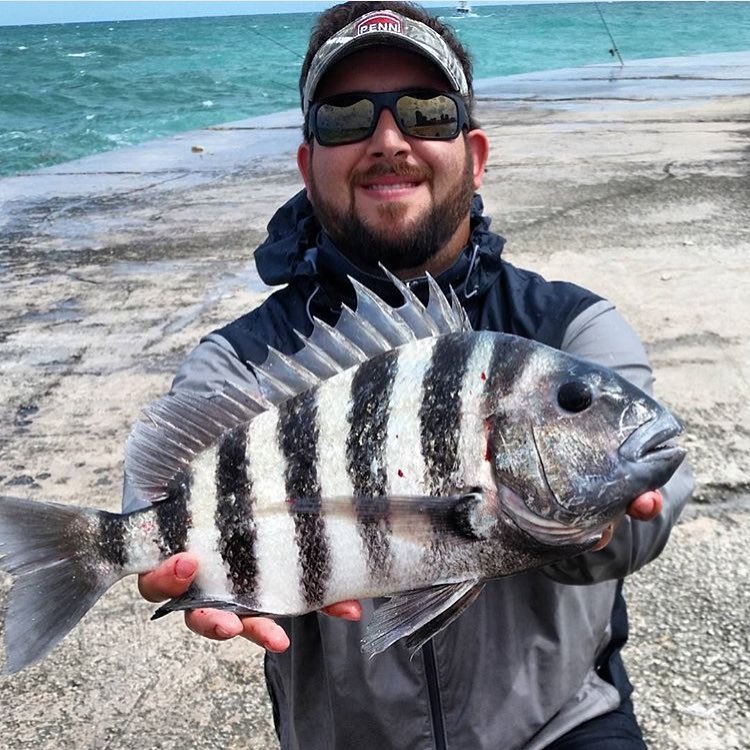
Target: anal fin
(417, 616)
(193, 598)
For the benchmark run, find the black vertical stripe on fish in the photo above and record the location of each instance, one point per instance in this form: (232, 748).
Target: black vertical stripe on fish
(234, 514)
(508, 362)
(440, 411)
(372, 386)
(298, 440)
(111, 538)
(173, 516)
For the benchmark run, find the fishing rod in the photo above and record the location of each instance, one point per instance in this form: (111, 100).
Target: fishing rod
(614, 51)
(283, 46)
(277, 42)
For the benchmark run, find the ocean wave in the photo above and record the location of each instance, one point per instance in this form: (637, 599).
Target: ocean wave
(147, 79)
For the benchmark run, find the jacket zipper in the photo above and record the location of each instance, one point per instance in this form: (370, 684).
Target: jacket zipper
(433, 696)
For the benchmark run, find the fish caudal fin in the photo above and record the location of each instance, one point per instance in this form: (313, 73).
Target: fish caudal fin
(54, 554)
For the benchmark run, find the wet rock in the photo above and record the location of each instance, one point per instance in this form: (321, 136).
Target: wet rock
(24, 414)
(22, 480)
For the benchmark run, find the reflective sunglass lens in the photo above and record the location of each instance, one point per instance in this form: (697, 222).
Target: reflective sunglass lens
(338, 124)
(432, 117)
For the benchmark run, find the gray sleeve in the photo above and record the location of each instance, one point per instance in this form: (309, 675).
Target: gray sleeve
(601, 334)
(204, 371)
(211, 364)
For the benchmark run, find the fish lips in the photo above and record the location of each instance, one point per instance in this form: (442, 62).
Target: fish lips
(651, 459)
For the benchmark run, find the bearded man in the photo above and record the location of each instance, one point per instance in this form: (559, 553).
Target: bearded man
(391, 159)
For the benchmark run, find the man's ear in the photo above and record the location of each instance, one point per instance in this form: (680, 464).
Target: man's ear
(479, 146)
(304, 158)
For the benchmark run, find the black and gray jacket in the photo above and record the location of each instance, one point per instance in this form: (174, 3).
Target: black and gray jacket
(537, 653)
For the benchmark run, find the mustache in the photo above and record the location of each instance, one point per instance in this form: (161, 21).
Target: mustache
(397, 169)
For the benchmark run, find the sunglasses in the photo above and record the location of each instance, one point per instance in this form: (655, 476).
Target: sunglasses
(349, 118)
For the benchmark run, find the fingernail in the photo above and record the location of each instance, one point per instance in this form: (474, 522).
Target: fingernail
(223, 632)
(184, 569)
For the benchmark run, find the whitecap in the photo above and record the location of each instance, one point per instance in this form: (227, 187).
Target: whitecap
(80, 54)
(21, 47)
(207, 103)
(90, 117)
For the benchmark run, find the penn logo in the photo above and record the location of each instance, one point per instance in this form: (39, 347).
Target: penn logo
(380, 22)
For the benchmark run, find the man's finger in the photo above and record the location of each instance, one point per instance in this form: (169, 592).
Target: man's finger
(606, 538)
(348, 610)
(266, 633)
(221, 626)
(170, 579)
(213, 623)
(646, 506)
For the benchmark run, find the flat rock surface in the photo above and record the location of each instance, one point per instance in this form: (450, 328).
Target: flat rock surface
(112, 267)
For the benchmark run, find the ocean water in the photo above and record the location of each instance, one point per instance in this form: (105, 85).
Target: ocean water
(69, 90)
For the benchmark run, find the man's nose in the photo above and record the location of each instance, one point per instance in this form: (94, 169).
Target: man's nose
(387, 140)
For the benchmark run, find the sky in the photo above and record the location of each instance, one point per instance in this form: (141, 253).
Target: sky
(61, 11)
(13, 13)
(66, 11)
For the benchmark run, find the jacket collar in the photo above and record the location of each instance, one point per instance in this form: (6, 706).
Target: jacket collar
(297, 248)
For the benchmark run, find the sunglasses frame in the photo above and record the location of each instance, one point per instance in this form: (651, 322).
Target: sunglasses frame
(385, 100)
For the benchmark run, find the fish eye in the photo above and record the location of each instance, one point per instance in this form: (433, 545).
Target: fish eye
(574, 396)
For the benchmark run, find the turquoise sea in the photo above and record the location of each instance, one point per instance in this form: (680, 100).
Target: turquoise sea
(69, 90)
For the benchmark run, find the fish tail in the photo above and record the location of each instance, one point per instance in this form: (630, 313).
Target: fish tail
(62, 559)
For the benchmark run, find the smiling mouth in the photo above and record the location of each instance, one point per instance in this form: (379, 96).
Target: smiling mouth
(387, 187)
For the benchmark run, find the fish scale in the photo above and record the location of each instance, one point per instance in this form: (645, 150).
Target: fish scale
(368, 418)
(435, 461)
(234, 515)
(279, 568)
(298, 442)
(440, 411)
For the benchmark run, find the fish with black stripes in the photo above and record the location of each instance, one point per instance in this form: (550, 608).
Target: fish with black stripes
(398, 454)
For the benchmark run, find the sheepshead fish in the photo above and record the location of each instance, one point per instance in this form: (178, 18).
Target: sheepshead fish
(397, 454)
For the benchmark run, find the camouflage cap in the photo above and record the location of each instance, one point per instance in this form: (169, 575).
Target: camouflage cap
(385, 27)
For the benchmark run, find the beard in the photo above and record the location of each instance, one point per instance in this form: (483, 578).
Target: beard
(409, 246)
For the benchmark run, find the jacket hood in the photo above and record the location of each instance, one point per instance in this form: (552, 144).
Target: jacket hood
(297, 248)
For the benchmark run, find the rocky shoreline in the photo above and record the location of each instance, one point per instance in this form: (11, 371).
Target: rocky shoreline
(112, 267)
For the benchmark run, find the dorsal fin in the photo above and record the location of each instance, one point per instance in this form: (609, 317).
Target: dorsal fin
(179, 426)
(372, 328)
(176, 428)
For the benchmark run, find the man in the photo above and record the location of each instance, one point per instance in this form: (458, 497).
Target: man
(390, 161)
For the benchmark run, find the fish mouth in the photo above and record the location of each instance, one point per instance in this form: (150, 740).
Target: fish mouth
(649, 446)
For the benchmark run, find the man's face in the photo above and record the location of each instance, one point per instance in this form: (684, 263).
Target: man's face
(391, 198)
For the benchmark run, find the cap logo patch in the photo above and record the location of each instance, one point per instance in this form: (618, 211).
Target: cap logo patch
(384, 21)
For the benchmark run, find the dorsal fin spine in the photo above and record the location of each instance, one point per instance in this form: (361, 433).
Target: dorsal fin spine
(316, 359)
(361, 333)
(331, 338)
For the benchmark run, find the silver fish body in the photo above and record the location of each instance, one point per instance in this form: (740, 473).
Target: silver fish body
(399, 452)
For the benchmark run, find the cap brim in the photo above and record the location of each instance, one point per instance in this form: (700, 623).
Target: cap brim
(412, 36)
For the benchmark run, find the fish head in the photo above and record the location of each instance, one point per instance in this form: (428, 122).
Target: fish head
(572, 444)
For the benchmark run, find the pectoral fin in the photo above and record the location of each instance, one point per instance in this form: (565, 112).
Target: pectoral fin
(417, 616)
(465, 514)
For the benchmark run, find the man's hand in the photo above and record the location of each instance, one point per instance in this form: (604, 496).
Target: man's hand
(174, 576)
(644, 508)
